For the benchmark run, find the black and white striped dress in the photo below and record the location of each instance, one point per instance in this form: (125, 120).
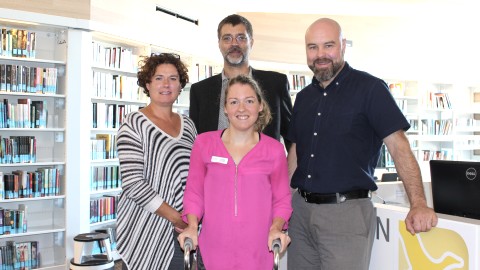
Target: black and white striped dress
(154, 169)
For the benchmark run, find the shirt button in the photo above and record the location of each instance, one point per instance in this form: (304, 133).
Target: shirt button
(325, 94)
(336, 83)
(314, 134)
(319, 114)
(312, 155)
(309, 176)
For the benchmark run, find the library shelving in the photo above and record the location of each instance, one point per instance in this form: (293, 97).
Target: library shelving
(33, 147)
(443, 119)
(114, 94)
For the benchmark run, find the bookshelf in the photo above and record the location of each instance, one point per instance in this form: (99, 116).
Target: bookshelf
(113, 94)
(442, 118)
(33, 95)
(299, 76)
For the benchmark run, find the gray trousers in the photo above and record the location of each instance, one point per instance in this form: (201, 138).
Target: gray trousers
(331, 236)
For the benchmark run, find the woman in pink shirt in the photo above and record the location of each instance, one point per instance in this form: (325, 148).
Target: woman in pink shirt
(238, 186)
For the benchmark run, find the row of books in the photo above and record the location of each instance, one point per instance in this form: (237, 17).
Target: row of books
(436, 127)
(103, 208)
(106, 85)
(467, 122)
(397, 89)
(110, 115)
(298, 82)
(443, 154)
(385, 159)
(438, 101)
(24, 184)
(17, 43)
(114, 57)
(203, 71)
(18, 149)
(25, 79)
(413, 125)
(104, 146)
(105, 178)
(19, 255)
(13, 221)
(26, 113)
(402, 105)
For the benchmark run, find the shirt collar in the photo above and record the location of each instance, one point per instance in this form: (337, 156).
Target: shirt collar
(224, 77)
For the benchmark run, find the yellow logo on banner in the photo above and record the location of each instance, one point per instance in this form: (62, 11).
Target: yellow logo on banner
(439, 249)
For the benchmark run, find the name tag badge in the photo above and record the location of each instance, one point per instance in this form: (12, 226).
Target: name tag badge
(221, 160)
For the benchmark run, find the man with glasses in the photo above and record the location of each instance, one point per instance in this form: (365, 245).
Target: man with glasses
(235, 40)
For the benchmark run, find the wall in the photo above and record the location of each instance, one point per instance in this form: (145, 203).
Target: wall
(433, 46)
(406, 40)
(79, 9)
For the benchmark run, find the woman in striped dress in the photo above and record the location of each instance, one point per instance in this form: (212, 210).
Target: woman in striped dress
(154, 146)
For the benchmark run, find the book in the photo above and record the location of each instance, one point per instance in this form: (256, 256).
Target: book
(22, 221)
(2, 188)
(34, 254)
(8, 77)
(3, 77)
(23, 44)
(3, 44)
(108, 150)
(13, 79)
(25, 107)
(40, 113)
(8, 222)
(13, 33)
(33, 44)
(2, 218)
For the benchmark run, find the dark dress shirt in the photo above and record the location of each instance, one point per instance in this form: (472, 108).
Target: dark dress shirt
(339, 132)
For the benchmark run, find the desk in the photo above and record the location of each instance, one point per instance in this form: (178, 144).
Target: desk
(453, 244)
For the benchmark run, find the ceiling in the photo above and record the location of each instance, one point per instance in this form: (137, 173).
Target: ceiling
(414, 39)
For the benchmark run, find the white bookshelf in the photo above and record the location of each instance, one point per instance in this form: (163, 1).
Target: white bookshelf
(439, 132)
(46, 216)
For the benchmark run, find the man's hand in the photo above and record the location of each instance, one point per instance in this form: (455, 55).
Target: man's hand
(420, 219)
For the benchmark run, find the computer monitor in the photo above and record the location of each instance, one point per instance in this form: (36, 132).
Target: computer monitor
(389, 177)
(456, 187)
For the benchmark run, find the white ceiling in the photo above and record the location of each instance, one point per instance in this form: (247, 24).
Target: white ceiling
(406, 38)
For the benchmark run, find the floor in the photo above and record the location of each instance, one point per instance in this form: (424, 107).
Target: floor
(118, 265)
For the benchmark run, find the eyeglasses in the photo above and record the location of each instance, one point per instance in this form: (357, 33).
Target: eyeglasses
(229, 39)
(166, 54)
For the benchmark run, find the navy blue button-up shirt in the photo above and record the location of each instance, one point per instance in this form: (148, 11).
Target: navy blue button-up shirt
(339, 131)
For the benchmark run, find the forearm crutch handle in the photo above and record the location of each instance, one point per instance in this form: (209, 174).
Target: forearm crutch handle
(276, 247)
(187, 248)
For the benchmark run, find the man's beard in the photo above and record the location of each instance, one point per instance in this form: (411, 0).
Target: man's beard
(326, 74)
(236, 61)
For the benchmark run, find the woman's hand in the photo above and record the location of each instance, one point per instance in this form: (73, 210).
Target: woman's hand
(284, 239)
(179, 224)
(190, 232)
(276, 232)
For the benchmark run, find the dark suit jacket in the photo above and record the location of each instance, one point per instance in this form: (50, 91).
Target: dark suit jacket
(205, 102)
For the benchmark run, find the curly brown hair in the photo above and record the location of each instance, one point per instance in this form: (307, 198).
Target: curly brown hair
(264, 116)
(149, 65)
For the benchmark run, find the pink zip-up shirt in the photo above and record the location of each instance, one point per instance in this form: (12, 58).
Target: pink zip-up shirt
(237, 201)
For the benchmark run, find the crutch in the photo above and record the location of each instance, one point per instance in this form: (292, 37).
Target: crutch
(189, 262)
(276, 247)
